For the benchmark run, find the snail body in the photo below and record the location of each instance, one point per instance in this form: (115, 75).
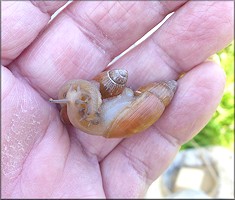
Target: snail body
(109, 108)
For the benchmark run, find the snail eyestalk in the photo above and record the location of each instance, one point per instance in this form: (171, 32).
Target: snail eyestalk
(59, 100)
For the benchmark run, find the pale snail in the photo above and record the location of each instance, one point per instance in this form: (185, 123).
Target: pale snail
(105, 106)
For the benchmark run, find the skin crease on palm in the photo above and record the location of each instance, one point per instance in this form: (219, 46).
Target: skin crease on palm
(42, 158)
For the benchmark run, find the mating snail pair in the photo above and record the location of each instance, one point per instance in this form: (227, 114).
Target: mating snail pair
(105, 106)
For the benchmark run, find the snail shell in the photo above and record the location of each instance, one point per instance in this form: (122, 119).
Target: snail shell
(112, 82)
(123, 115)
(163, 90)
(145, 108)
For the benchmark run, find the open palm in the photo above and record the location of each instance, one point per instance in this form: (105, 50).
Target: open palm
(43, 158)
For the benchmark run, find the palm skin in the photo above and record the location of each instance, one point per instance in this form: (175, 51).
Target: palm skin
(42, 158)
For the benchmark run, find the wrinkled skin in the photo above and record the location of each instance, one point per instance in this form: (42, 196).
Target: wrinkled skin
(43, 158)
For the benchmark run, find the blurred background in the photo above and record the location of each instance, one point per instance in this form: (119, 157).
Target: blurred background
(204, 167)
(220, 129)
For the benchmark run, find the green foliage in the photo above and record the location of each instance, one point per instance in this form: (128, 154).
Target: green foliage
(220, 129)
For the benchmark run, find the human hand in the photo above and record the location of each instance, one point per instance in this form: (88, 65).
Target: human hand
(41, 158)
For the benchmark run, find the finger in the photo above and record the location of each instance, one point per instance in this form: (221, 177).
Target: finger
(58, 168)
(201, 34)
(193, 33)
(139, 160)
(9, 81)
(38, 158)
(84, 38)
(24, 121)
(96, 145)
(199, 95)
(22, 21)
(114, 22)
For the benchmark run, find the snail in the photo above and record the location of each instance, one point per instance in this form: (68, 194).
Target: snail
(104, 106)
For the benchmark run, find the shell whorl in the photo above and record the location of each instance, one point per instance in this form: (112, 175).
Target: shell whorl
(118, 76)
(112, 82)
(164, 90)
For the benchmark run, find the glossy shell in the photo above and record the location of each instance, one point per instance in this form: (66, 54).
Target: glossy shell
(146, 108)
(164, 90)
(112, 82)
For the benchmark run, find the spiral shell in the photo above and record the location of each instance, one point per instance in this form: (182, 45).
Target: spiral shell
(163, 90)
(148, 104)
(112, 82)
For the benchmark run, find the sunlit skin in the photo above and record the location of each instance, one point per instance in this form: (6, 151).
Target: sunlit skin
(42, 158)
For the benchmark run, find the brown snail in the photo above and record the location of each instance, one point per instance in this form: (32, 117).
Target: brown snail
(105, 106)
